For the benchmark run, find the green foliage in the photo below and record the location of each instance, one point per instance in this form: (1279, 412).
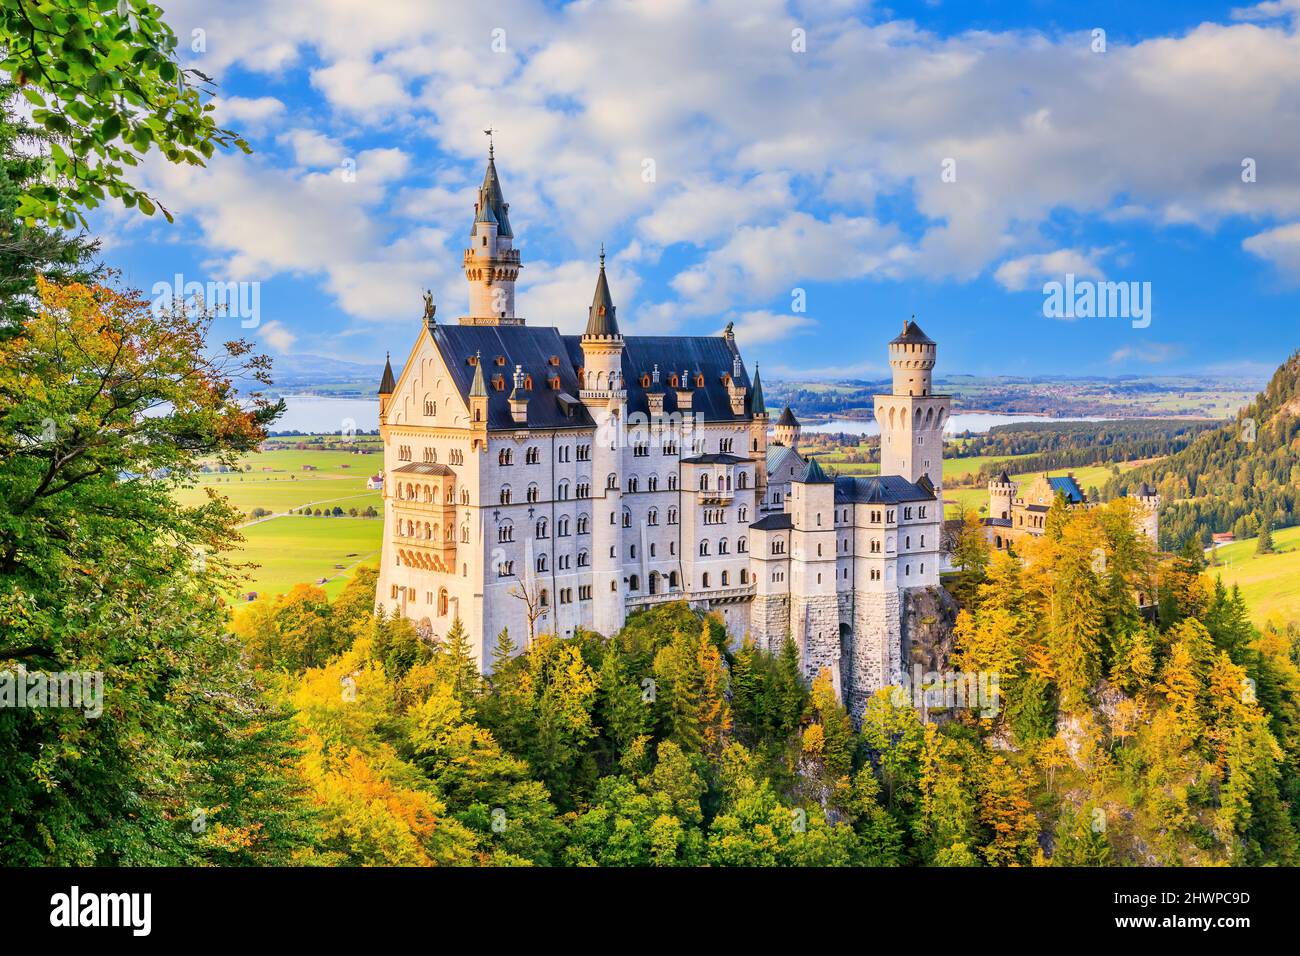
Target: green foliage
(106, 86)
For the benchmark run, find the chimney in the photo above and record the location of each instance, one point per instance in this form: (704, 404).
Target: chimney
(654, 395)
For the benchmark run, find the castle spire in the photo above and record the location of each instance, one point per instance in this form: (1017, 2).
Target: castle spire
(600, 318)
(757, 407)
(478, 388)
(386, 384)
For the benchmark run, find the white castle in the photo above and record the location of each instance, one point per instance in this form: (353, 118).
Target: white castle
(546, 483)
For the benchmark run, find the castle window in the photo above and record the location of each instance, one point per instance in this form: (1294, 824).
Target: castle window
(672, 482)
(672, 515)
(725, 578)
(533, 455)
(532, 494)
(672, 580)
(499, 382)
(506, 457)
(541, 528)
(505, 494)
(541, 564)
(704, 548)
(744, 575)
(544, 599)
(584, 559)
(704, 580)
(652, 517)
(634, 583)
(652, 483)
(633, 484)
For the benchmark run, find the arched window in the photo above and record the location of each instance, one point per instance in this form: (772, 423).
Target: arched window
(442, 602)
(583, 521)
(541, 564)
(725, 578)
(541, 528)
(505, 494)
(704, 482)
(652, 516)
(506, 456)
(544, 599)
(704, 579)
(611, 482)
(704, 548)
(744, 576)
(633, 583)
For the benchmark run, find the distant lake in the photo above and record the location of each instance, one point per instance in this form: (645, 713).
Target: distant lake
(975, 422)
(320, 414)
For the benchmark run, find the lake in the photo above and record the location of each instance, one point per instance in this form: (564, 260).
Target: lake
(319, 414)
(975, 422)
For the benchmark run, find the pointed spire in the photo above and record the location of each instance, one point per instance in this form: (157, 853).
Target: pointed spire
(757, 407)
(787, 418)
(478, 389)
(600, 318)
(492, 206)
(1004, 478)
(386, 384)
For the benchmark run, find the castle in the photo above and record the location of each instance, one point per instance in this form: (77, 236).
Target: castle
(545, 483)
(1014, 517)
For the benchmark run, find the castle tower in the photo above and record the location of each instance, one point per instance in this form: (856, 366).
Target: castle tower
(491, 264)
(912, 417)
(1149, 499)
(787, 429)
(601, 378)
(814, 608)
(1002, 492)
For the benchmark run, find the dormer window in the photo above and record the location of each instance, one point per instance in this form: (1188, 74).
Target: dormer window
(501, 360)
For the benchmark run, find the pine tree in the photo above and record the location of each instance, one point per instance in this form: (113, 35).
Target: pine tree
(1264, 543)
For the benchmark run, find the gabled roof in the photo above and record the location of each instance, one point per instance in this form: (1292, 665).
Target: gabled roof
(386, 384)
(911, 335)
(879, 489)
(813, 474)
(1067, 486)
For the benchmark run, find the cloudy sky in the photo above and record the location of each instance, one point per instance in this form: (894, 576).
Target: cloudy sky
(743, 158)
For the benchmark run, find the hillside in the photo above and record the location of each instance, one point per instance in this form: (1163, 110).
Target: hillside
(1235, 478)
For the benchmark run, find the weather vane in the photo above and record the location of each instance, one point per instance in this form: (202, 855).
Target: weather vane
(488, 133)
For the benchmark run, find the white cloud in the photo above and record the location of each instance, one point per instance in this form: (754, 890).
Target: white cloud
(275, 335)
(1279, 246)
(1017, 275)
(760, 327)
(248, 110)
(311, 148)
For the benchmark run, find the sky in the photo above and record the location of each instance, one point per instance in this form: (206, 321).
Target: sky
(813, 172)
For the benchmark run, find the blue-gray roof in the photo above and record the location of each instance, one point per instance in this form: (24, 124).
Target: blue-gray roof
(879, 489)
(774, 522)
(695, 354)
(781, 457)
(1068, 487)
(533, 348)
(715, 458)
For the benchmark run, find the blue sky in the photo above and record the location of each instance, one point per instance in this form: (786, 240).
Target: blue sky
(794, 147)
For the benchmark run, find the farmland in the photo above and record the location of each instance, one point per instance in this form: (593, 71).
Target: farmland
(1270, 583)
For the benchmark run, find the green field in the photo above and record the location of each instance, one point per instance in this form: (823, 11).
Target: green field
(1270, 583)
(297, 550)
(293, 549)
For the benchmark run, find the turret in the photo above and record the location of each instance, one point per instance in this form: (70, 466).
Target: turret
(912, 357)
(787, 429)
(478, 407)
(386, 386)
(758, 437)
(1149, 499)
(1002, 492)
(491, 264)
(602, 393)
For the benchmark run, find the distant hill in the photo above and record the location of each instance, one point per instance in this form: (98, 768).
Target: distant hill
(1236, 477)
(290, 372)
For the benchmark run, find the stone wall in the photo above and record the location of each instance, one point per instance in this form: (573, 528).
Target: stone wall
(769, 620)
(876, 648)
(817, 620)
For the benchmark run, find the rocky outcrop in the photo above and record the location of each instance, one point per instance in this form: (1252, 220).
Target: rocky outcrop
(929, 616)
